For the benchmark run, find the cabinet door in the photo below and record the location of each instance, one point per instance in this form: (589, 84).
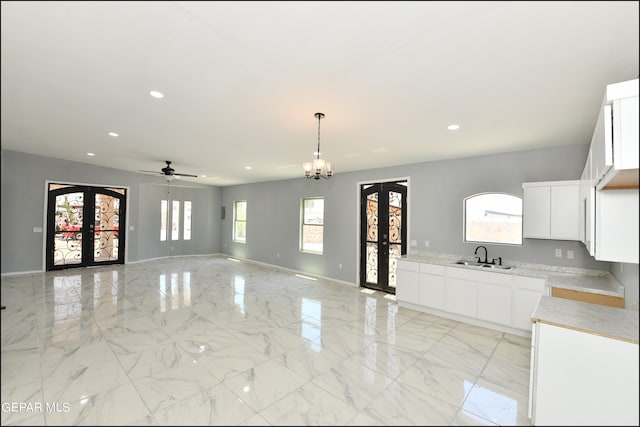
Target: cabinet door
(536, 213)
(625, 133)
(432, 291)
(524, 302)
(602, 144)
(564, 212)
(408, 286)
(584, 379)
(617, 226)
(461, 296)
(494, 303)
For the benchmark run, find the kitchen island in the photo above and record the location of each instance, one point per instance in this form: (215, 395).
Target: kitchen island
(584, 364)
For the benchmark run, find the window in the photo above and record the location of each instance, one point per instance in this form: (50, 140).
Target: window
(312, 227)
(186, 233)
(493, 218)
(164, 213)
(175, 220)
(240, 221)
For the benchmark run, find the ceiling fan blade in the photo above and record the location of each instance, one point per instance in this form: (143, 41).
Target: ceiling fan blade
(185, 174)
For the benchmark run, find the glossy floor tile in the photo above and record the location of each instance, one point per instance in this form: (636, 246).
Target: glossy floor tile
(207, 341)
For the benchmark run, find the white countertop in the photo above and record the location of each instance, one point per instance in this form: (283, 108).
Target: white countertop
(594, 281)
(611, 322)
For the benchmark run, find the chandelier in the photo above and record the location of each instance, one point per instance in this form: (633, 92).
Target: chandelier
(318, 168)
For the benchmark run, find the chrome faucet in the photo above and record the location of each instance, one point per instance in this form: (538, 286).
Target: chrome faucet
(486, 260)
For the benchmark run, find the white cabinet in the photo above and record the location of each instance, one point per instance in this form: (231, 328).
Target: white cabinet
(615, 138)
(587, 206)
(608, 218)
(494, 303)
(526, 294)
(537, 211)
(408, 281)
(580, 378)
(617, 226)
(502, 300)
(551, 210)
(461, 296)
(432, 287)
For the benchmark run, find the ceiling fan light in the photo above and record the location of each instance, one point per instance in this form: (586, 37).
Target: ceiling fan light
(169, 178)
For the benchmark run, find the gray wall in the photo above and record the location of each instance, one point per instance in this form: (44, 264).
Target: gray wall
(23, 186)
(436, 193)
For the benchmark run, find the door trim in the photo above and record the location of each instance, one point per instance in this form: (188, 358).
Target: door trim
(45, 212)
(358, 210)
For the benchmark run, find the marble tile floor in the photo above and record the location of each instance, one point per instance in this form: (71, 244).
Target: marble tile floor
(205, 340)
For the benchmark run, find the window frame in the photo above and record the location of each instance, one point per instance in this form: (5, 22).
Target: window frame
(164, 220)
(464, 218)
(175, 220)
(187, 220)
(303, 224)
(234, 232)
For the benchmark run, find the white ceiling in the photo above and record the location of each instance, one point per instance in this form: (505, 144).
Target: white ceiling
(243, 80)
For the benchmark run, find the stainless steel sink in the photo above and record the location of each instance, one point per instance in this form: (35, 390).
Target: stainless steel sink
(464, 262)
(483, 264)
(499, 267)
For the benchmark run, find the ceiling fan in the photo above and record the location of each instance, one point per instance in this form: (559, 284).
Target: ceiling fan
(169, 173)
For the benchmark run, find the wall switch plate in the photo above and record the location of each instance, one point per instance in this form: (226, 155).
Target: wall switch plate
(426, 243)
(558, 253)
(414, 243)
(37, 229)
(570, 254)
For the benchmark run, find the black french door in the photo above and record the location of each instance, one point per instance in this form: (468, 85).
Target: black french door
(85, 226)
(383, 233)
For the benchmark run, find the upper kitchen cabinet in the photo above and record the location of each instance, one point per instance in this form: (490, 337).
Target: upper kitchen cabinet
(551, 210)
(615, 140)
(608, 196)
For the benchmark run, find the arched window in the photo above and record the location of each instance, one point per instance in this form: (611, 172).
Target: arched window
(493, 218)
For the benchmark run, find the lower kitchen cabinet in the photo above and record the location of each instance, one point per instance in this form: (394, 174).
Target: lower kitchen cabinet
(504, 301)
(580, 378)
(432, 286)
(526, 294)
(494, 303)
(408, 281)
(461, 296)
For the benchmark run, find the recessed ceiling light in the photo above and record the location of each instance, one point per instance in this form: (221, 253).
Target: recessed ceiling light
(113, 134)
(91, 154)
(156, 94)
(453, 127)
(248, 168)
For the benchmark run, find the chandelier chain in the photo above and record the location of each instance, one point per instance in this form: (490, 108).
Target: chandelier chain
(318, 168)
